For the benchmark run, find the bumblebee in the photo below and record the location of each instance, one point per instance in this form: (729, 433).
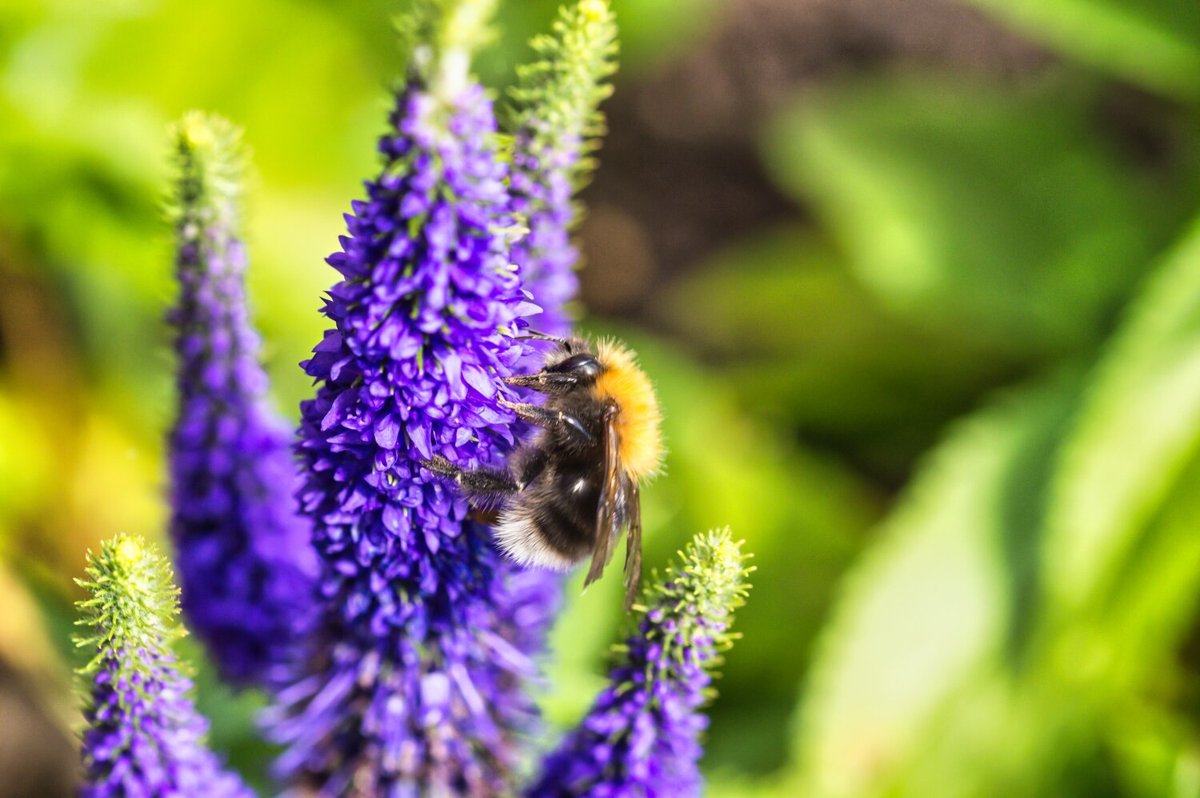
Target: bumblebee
(571, 489)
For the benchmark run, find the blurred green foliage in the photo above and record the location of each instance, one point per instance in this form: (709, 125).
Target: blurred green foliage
(1155, 43)
(1023, 215)
(953, 405)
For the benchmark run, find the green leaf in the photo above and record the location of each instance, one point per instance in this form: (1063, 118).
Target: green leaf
(1155, 43)
(1000, 217)
(1031, 591)
(933, 604)
(1136, 435)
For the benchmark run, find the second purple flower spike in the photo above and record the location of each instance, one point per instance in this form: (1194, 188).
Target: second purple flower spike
(245, 560)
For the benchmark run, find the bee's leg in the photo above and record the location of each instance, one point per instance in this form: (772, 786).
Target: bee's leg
(550, 419)
(544, 381)
(483, 487)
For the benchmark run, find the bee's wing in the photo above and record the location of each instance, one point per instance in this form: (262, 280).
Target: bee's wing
(611, 510)
(633, 546)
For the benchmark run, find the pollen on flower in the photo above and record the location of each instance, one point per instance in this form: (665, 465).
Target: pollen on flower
(593, 10)
(128, 552)
(197, 130)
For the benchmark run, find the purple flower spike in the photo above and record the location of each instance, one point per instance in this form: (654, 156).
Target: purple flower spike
(641, 738)
(416, 684)
(557, 129)
(244, 553)
(144, 738)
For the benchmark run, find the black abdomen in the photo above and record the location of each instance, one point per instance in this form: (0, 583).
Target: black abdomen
(562, 504)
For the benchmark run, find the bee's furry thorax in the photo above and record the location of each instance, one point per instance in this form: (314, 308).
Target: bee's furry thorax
(626, 384)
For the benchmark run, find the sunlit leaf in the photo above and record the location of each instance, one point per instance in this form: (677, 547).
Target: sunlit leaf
(799, 338)
(1032, 588)
(1139, 429)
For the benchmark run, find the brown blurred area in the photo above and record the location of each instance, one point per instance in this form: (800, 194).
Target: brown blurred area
(36, 757)
(38, 753)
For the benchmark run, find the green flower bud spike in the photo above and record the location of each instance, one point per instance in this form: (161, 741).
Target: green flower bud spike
(143, 735)
(555, 104)
(556, 123)
(642, 736)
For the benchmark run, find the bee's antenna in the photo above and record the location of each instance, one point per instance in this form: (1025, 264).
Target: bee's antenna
(534, 335)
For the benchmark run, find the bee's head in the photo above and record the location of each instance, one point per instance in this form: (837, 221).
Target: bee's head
(571, 367)
(583, 366)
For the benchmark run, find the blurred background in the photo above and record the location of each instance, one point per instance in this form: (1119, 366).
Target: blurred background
(919, 284)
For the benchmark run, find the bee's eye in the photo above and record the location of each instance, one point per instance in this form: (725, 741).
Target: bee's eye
(583, 365)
